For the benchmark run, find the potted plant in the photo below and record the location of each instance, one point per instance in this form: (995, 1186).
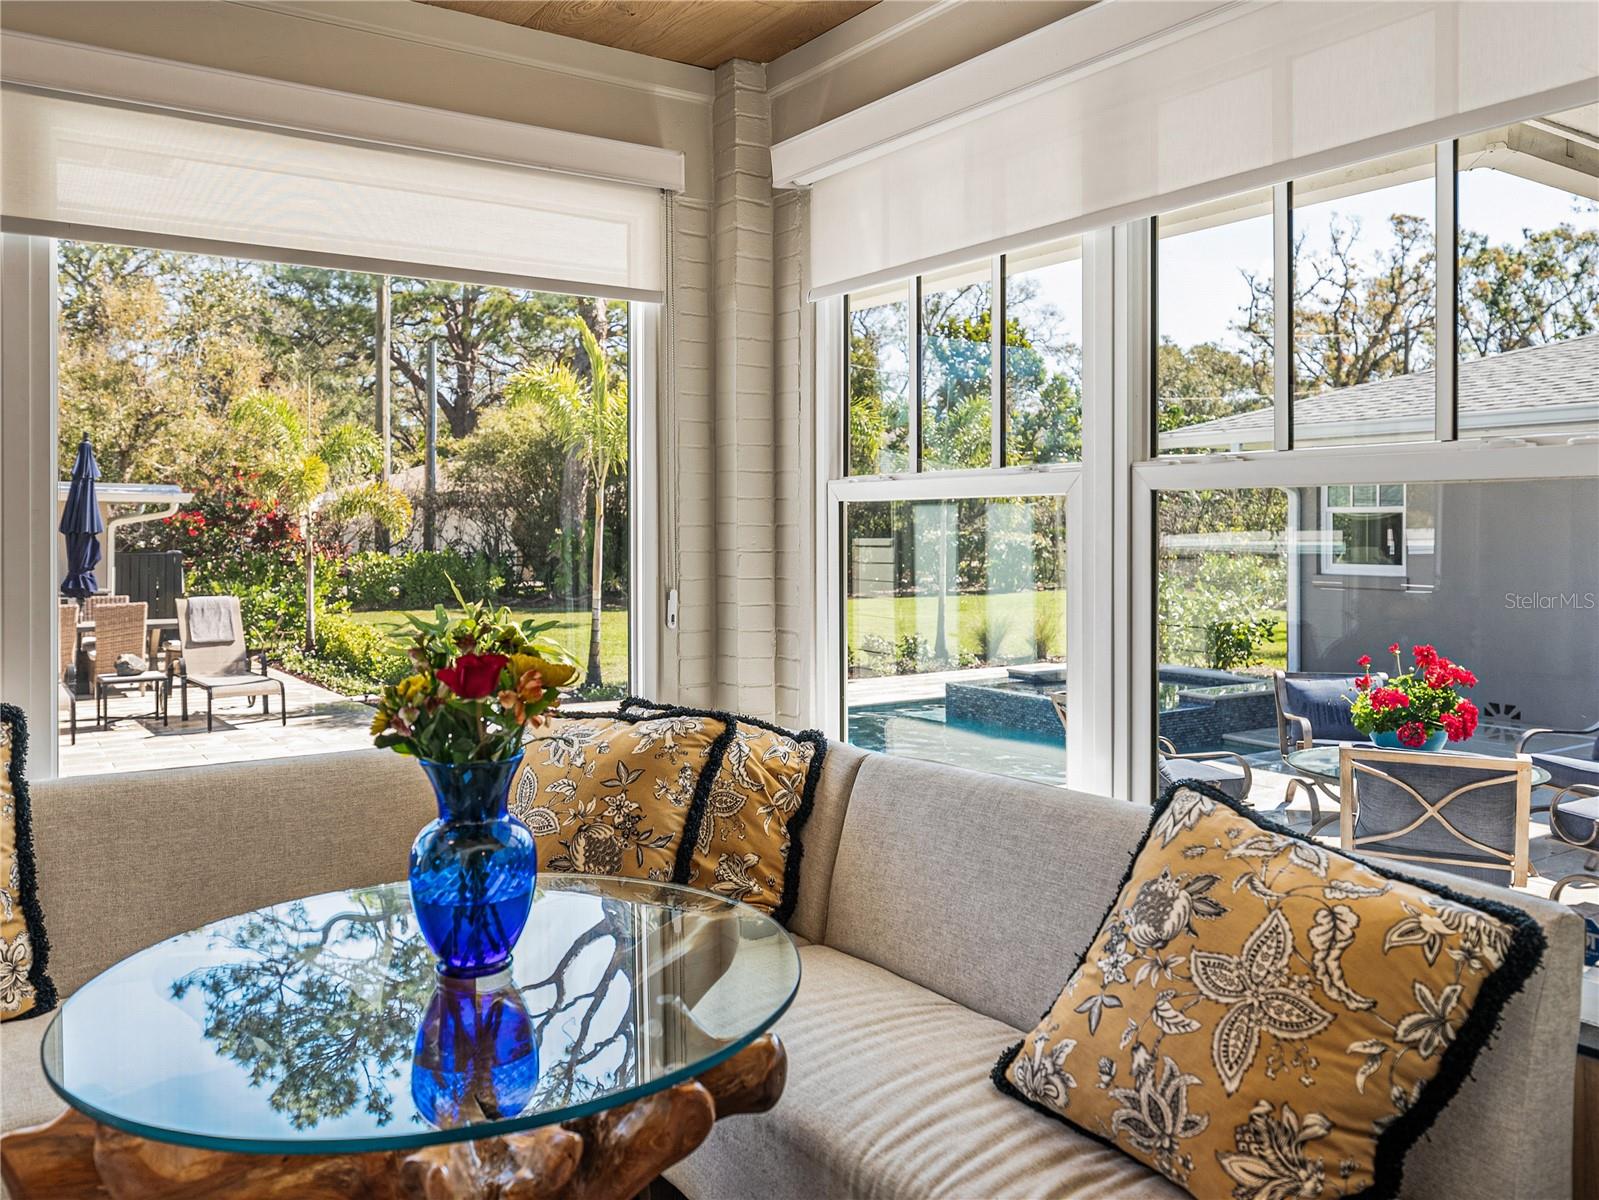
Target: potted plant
(482, 680)
(1418, 709)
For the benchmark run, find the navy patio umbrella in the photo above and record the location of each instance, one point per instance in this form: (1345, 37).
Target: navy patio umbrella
(81, 523)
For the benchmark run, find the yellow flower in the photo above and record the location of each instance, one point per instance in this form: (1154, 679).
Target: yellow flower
(412, 689)
(554, 674)
(380, 720)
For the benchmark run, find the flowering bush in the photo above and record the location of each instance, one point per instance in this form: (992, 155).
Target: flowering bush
(1416, 703)
(480, 681)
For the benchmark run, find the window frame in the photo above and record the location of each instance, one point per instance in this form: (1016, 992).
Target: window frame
(1325, 527)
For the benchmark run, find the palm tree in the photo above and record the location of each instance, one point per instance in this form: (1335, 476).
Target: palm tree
(590, 424)
(307, 470)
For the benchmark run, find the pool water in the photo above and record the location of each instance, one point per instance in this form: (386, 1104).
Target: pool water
(917, 729)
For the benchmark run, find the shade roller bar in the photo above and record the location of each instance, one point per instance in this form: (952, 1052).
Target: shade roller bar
(76, 167)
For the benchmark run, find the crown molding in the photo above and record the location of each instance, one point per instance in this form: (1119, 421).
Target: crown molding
(878, 26)
(119, 77)
(446, 29)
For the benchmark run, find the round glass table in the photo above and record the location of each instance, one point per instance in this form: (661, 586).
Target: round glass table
(320, 1027)
(1322, 762)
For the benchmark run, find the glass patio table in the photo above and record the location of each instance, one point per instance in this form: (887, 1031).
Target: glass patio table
(321, 1027)
(1322, 762)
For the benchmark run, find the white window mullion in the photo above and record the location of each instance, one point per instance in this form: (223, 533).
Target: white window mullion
(914, 415)
(1133, 631)
(996, 367)
(1446, 241)
(826, 698)
(1282, 291)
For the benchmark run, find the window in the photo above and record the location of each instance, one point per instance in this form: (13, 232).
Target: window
(879, 382)
(1500, 576)
(1528, 274)
(1363, 528)
(1364, 312)
(1044, 355)
(955, 628)
(1213, 314)
(234, 380)
(957, 401)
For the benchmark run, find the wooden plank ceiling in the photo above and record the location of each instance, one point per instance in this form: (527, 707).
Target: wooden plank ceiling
(702, 33)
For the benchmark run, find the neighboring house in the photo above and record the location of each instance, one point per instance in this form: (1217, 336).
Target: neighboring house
(1503, 576)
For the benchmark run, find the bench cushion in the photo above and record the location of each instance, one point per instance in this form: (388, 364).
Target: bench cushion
(888, 1096)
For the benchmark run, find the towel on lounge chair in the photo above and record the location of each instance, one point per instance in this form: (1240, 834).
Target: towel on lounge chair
(210, 620)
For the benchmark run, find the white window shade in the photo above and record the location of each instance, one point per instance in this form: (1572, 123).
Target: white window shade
(1125, 110)
(85, 169)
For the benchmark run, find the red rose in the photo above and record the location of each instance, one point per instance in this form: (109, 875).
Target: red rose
(1363, 661)
(473, 676)
(1412, 734)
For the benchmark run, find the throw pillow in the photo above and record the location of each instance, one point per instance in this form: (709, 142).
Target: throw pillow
(25, 987)
(746, 841)
(1259, 1016)
(612, 794)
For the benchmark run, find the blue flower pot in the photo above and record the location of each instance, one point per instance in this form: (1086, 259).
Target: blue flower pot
(472, 870)
(1390, 741)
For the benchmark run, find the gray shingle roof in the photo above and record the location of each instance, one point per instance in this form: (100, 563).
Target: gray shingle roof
(1537, 389)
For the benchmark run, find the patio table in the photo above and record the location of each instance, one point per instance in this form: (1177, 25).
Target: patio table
(312, 1048)
(1322, 762)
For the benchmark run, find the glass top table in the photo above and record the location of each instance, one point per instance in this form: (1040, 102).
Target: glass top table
(1322, 762)
(321, 1026)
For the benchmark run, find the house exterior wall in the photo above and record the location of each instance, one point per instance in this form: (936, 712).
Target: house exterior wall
(1502, 577)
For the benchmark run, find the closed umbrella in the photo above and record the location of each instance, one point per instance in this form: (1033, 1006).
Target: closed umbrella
(81, 523)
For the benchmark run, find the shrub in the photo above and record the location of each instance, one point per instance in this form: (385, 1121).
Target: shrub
(419, 578)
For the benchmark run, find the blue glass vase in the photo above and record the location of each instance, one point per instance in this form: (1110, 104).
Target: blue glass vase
(473, 869)
(477, 1056)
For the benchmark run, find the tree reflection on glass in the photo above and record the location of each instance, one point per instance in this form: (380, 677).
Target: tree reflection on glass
(319, 1011)
(323, 1007)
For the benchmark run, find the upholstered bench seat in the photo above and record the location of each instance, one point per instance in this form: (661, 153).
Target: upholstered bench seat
(888, 1096)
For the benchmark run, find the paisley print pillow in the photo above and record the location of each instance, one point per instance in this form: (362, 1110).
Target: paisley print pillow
(613, 794)
(746, 842)
(1259, 1017)
(25, 987)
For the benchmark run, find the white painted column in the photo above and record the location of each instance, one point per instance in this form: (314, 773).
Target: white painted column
(29, 631)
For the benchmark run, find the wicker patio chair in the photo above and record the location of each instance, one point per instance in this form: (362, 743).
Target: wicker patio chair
(215, 660)
(119, 630)
(1464, 813)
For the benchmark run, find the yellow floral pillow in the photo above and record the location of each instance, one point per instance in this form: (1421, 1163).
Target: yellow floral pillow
(746, 840)
(1261, 1018)
(25, 987)
(613, 794)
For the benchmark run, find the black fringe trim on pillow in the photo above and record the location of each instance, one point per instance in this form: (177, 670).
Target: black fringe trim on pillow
(44, 988)
(796, 823)
(1522, 959)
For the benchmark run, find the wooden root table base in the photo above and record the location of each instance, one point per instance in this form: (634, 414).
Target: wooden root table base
(612, 1155)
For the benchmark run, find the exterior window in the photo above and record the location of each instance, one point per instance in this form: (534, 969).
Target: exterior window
(879, 381)
(1528, 244)
(1364, 529)
(1213, 314)
(955, 627)
(957, 368)
(1364, 302)
(1044, 355)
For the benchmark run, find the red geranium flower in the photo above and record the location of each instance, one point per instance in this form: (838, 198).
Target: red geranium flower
(1362, 682)
(1461, 721)
(1426, 656)
(1412, 734)
(1393, 647)
(1363, 661)
(1387, 697)
(473, 676)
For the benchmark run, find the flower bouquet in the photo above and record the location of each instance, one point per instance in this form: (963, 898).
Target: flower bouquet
(481, 681)
(1416, 709)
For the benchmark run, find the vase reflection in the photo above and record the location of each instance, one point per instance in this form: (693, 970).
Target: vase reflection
(477, 1057)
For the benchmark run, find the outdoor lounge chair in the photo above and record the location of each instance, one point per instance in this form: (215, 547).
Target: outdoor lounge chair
(214, 658)
(119, 630)
(1570, 769)
(1313, 710)
(1220, 768)
(1463, 813)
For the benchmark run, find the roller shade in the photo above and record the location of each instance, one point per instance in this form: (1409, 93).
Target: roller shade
(1106, 116)
(88, 169)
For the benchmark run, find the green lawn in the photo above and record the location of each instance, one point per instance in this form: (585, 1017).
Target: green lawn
(572, 633)
(1012, 622)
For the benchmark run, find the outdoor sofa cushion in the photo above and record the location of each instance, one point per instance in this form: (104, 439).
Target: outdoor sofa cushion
(1258, 1014)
